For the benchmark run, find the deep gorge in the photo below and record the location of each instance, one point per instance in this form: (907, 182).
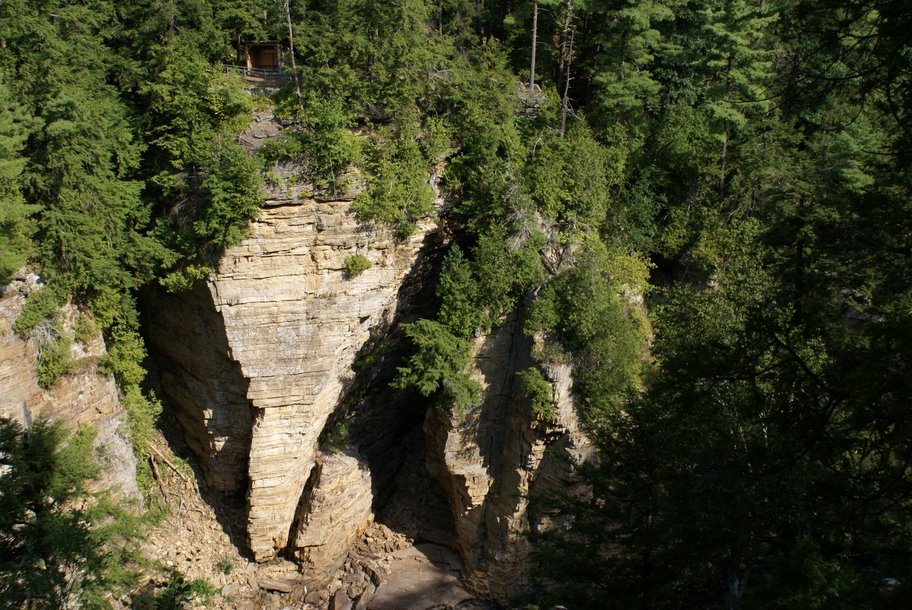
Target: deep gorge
(532, 304)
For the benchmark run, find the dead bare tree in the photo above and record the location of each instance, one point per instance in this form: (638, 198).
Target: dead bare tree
(567, 60)
(534, 43)
(294, 66)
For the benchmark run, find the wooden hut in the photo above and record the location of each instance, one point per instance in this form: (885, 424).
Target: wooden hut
(265, 56)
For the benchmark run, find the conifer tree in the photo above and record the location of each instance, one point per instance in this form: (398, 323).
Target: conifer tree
(16, 226)
(59, 546)
(623, 43)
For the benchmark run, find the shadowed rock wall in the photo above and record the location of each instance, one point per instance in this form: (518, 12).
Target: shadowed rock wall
(493, 460)
(291, 323)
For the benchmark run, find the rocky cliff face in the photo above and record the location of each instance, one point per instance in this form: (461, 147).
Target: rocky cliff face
(84, 397)
(337, 507)
(204, 383)
(494, 460)
(256, 357)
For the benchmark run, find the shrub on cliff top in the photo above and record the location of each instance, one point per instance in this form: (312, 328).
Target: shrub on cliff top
(398, 192)
(38, 306)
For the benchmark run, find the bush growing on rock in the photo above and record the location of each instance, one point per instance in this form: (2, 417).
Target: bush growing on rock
(355, 265)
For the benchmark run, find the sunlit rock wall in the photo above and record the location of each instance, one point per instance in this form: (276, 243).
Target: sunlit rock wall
(280, 324)
(84, 397)
(493, 460)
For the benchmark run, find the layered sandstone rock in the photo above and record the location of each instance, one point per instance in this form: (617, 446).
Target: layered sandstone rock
(84, 397)
(335, 510)
(266, 345)
(491, 460)
(205, 384)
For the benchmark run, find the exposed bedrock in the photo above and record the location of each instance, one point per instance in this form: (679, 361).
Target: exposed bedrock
(256, 357)
(335, 510)
(495, 459)
(203, 383)
(83, 397)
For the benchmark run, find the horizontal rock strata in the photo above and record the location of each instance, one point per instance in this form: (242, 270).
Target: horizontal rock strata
(335, 510)
(84, 397)
(203, 383)
(291, 322)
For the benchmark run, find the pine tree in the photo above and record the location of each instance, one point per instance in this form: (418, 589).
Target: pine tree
(16, 227)
(624, 40)
(59, 545)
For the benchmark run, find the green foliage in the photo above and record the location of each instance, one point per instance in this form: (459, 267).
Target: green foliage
(338, 438)
(89, 235)
(125, 356)
(479, 293)
(225, 565)
(622, 62)
(355, 265)
(15, 226)
(231, 187)
(586, 309)
(37, 319)
(458, 293)
(390, 46)
(54, 357)
(206, 185)
(323, 145)
(85, 329)
(327, 145)
(637, 218)
(365, 361)
(437, 141)
(57, 543)
(142, 414)
(246, 19)
(438, 366)
(504, 273)
(183, 279)
(398, 191)
(116, 313)
(39, 305)
(191, 103)
(539, 392)
(758, 150)
(287, 147)
(734, 62)
(480, 98)
(180, 591)
(751, 397)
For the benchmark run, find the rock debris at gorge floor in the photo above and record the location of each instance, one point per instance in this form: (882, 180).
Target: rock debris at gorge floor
(384, 570)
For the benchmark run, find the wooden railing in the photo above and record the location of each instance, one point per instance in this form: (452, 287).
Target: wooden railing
(259, 73)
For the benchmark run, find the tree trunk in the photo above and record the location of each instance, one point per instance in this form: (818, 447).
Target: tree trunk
(294, 66)
(534, 43)
(568, 59)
